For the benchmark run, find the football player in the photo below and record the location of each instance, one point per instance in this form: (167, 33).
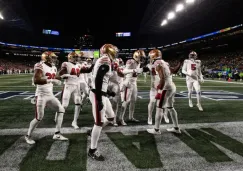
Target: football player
(114, 85)
(166, 91)
(101, 105)
(70, 72)
(83, 77)
(129, 89)
(44, 78)
(153, 91)
(192, 69)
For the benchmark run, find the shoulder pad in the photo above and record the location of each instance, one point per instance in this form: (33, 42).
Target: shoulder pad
(38, 66)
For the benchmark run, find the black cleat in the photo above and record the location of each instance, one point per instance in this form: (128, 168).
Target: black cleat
(94, 154)
(89, 132)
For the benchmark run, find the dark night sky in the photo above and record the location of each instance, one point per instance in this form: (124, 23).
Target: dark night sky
(103, 18)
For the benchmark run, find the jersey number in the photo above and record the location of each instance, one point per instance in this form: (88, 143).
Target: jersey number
(75, 72)
(50, 76)
(193, 67)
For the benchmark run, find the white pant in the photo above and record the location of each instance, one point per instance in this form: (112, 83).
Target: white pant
(129, 93)
(152, 94)
(107, 110)
(47, 100)
(69, 90)
(84, 87)
(195, 84)
(167, 98)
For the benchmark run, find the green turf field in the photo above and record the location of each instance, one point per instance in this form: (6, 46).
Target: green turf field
(211, 140)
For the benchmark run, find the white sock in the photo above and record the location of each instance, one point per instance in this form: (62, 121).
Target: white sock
(131, 109)
(123, 110)
(95, 136)
(76, 113)
(190, 96)
(59, 122)
(158, 117)
(33, 125)
(150, 109)
(199, 98)
(173, 115)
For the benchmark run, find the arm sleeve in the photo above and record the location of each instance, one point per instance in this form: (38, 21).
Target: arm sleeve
(184, 71)
(103, 69)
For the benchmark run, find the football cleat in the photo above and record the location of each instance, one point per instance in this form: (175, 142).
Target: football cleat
(123, 123)
(96, 155)
(190, 103)
(150, 121)
(153, 131)
(59, 137)
(177, 131)
(200, 107)
(29, 140)
(74, 125)
(133, 120)
(89, 132)
(115, 124)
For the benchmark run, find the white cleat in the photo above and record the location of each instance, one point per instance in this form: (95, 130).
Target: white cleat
(178, 131)
(123, 123)
(153, 131)
(115, 124)
(59, 137)
(150, 121)
(190, 103)
(200, 107)
(29, 140)
(75, 125)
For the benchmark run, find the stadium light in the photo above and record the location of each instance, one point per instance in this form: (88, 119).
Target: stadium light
(190, 1)
(164, 22)
(1, 16)
(171, 15)
(179, 7)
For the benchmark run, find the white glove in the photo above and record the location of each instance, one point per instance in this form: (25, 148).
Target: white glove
(139, 70)
(54, 81)
(68, 75)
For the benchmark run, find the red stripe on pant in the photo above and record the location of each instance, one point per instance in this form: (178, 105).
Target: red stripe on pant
(162, 98)
(36, 112)
(98, 117)
(125, 95)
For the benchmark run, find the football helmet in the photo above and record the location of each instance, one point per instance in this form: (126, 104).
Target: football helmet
(193, 55)
(89, 61)
(155, 54)
(139, 56)
(72, 57)
(81, 57)
(110, 50)
(49, 57)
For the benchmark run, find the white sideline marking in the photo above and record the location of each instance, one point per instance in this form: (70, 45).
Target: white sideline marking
(225, 82)
(58, 150)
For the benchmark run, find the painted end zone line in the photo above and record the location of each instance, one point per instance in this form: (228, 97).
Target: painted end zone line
(215, 81)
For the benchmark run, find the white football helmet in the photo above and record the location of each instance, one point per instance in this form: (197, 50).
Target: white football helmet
(193, 55)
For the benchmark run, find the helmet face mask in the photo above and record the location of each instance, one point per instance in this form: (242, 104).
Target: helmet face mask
(73, 57)
(50, 57)
(193, 55)
(155, 54)
(139, 56)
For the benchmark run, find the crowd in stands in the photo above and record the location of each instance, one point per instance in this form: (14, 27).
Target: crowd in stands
(15, 66)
